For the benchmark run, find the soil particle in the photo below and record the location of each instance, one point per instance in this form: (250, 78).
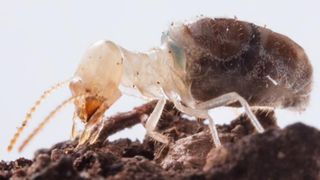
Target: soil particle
(289, 153)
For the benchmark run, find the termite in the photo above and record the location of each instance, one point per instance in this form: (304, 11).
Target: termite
(200, 65)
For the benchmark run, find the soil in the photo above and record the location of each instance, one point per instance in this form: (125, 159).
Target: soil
(289, 153)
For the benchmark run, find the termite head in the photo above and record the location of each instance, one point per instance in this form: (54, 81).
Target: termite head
(99, 74)
(94, 88)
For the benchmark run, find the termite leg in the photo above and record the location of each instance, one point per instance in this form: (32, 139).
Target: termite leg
(199, 114)
(214, 132)
(201, 111)
(190, 111)
(153, 121)
(231, 98)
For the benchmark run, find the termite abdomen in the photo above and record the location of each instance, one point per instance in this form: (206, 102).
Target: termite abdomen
(227, 55)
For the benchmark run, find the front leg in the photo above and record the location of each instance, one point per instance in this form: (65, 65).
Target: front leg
(153, 120)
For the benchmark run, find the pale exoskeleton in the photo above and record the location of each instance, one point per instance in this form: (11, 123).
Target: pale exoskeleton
(200, 65)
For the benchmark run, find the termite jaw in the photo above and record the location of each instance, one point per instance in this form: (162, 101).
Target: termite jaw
(87, 106)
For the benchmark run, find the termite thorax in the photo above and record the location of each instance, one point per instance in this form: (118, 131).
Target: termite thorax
(148, 71)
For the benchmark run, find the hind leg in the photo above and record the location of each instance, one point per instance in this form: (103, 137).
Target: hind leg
(228, 99)
(201, 111)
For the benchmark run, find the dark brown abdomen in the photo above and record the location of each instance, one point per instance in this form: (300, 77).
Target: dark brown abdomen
(227, 55)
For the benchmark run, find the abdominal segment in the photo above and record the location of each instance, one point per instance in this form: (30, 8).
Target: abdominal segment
(228, 55)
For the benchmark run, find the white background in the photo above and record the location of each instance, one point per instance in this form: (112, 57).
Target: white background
(41, 44)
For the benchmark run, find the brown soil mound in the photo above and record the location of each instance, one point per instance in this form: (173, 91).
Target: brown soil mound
(289, 153)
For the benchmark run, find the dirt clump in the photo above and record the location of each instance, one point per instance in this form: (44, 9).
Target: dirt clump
(289, 153)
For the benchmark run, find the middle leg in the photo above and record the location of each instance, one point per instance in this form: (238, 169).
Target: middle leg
(199, 114)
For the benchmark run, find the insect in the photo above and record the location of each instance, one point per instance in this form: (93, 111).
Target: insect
(200, 65)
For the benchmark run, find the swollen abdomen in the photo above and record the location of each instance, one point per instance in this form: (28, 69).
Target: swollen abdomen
(227, 55)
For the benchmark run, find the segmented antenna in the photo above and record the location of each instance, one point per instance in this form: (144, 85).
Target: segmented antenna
(32, 110)
(48, 118)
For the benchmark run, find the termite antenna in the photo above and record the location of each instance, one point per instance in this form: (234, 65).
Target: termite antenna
(48, 118)
(28, 116)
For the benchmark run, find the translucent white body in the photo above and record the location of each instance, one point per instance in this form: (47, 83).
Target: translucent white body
(199, 66)
(106, 66)
(158, 74)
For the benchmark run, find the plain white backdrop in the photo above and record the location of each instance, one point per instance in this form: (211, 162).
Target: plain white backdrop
(41, 43)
